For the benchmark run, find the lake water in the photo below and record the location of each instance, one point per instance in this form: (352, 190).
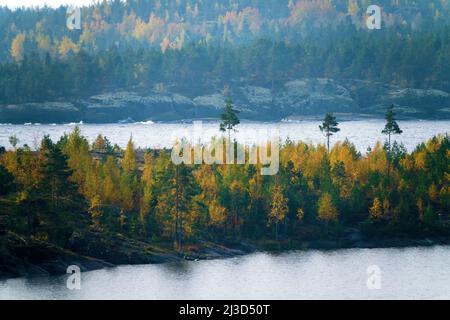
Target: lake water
(363, 133)
(408, 273)
(413, 273)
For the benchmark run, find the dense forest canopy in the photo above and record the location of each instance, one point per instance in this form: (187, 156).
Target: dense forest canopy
(174, 23)
(190, 44)
(72, 186)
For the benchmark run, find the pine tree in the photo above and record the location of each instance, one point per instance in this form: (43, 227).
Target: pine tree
(391, 126)
(174, 190)
(238, 202)
(229, 119)
(56, 188)
(329, 127)
(55, 172)
(13, 141)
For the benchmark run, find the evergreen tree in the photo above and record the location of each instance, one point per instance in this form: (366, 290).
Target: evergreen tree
(56, 187)
(329, 127)
(13, 141)
(229, 118)
(391, 127)
(6, 181)
(184, 204)
(238, 200)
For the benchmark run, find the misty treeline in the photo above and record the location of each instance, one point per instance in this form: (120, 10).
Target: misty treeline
(190, 45)
(392, 59)
(174, 23)
(73, 186)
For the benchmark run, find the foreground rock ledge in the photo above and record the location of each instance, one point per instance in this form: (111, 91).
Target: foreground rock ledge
(23, 258)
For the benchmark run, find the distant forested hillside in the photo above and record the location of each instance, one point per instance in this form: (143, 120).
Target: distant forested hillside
(175, 23)
(190, 44)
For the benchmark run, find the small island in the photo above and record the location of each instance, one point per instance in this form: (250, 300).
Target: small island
(97, 205)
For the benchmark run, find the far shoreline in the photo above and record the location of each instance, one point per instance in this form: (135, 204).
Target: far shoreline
(342, 117)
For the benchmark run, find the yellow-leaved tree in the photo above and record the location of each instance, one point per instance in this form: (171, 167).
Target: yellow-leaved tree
(111, 174)
(129, 164)
(327, 210)
(17, 47)
(95, 210)
(147, 182)
(44, 43)
(209, 195)
(278, 208)
(376, 211)
(67, 46)
(79, 158)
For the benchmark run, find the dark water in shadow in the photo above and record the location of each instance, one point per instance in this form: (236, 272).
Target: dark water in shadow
(410, 273)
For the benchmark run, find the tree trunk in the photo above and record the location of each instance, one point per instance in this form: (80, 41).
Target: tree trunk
(180, 236)
(328, 143)
(389, 159)
(176, 209)
(229, 153)
(236, 221)
(276, 231)
(285, 224)
(30, 231)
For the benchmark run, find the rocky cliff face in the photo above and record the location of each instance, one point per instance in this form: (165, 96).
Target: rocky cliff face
(293, 99)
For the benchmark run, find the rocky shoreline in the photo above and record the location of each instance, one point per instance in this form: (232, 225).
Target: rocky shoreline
(27, 258)
(288, 100)
(20, 257)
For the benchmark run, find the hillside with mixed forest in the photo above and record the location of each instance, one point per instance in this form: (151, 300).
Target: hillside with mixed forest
(171, 60)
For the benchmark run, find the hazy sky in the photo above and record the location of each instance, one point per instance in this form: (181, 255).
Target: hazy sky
(53, 3)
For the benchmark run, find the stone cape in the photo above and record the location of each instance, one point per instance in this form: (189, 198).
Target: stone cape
(196, 310)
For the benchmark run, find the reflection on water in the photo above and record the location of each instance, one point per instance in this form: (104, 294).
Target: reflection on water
(412, 273)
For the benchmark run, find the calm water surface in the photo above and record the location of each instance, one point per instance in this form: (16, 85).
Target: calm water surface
(411, 273)
(363, 133)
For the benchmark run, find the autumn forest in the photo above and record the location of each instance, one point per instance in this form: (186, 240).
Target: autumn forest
(192, 45)
(73, 199)
(71, 186)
